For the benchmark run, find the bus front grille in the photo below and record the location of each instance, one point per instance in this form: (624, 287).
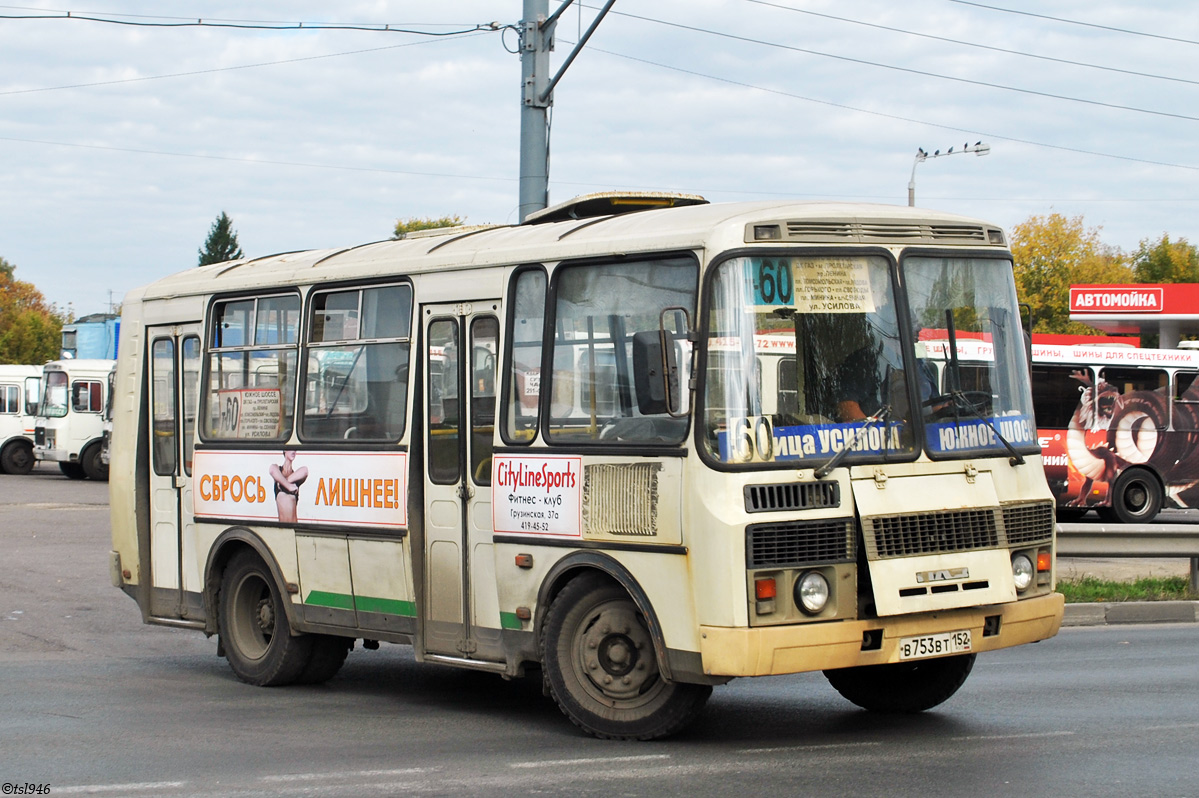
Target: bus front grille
(1028, 523)
(930, 533)
(791, 496)
(797, 543)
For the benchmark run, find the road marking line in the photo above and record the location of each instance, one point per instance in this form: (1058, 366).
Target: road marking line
(92, 789)
(791, 749)
(289, 777)
(1024, 736)
(549, 763)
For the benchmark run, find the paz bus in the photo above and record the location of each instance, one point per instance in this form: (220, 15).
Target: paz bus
(551, 448)
(70, 421)
(20, 388)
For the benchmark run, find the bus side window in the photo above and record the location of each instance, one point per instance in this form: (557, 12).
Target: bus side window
(526, 326)
(1186, 401)
(1057, 393)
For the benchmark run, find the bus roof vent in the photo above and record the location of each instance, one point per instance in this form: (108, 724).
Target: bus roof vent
(612, 203)
(861, 231)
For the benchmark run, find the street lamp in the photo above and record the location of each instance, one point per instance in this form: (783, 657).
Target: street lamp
(978, 148)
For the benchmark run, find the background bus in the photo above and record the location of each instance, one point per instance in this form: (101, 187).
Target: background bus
(70, 426)
(20, 389)
(1118, 425)
(612, 447)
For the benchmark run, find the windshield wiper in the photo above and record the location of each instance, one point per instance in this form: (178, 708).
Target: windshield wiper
(868, 422)
(960, 400)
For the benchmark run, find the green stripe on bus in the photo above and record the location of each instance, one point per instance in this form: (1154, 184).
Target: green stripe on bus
(344, 601)
(385, 606)
(321, 598)
(508, 620)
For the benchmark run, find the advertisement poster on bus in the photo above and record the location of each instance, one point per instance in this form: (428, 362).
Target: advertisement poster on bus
(537, 495)
(289, 486)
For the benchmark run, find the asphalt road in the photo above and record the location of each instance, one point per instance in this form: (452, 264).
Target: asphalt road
(92, 702)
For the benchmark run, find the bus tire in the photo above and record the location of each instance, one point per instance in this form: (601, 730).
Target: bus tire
(72, 470)
(93, 464)
(328, 655)
(599, 662)
(902, 687)
(1136, 497)
(254, 632)
(17, 458)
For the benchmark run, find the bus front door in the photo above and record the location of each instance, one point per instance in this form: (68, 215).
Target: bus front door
(174, 368)
(460, 607)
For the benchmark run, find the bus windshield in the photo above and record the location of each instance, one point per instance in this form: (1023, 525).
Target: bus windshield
(804, 360)
(965, 308)
(54, 398)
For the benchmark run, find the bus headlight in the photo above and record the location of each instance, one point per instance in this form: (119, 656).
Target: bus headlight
(1023, 572)
(811, 592)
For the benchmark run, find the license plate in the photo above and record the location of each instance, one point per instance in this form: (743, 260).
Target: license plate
(934, 645)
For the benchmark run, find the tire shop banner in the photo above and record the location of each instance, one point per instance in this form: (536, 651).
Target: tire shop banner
(300, 487)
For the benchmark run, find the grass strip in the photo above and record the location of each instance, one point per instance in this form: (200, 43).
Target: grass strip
(1089, 589)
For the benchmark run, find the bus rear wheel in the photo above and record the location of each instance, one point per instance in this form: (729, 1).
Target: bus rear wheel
(599, 661)
(903, 687)
(17, 459)
(1136, 498)
(329, 653)
(253, 627)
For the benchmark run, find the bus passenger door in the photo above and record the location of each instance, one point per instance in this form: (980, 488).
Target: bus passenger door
(461, 607)
(174, 371)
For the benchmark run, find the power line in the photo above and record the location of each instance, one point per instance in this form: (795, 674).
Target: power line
(969, 132)
(977, 45)
(1075, 22)
(922, 73)
(233, 68)
(138, 21)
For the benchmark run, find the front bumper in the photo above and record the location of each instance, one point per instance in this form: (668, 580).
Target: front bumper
(822, 646)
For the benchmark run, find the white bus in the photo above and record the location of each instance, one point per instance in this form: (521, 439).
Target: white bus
(70, 424)
(20, 388)
(542, 446)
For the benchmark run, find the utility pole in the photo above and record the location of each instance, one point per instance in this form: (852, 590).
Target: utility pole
(537, 95)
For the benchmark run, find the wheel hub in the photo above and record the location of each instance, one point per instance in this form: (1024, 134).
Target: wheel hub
(618, 654)
(264, 615)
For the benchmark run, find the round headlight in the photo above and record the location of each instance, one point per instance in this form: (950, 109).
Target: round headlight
(1023, 572)
(811, 592)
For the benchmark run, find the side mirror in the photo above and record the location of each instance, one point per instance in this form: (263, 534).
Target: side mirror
(649, 373)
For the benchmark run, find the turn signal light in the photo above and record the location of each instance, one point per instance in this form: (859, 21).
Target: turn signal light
(1044, 561)
(764, 589)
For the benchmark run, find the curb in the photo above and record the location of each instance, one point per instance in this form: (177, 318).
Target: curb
(1126, 612)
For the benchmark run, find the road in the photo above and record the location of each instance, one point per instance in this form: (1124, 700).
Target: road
(94, 702)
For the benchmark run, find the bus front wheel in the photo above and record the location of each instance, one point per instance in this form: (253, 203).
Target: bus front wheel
(93, 464)
(253, 627)
(903, 687)
(599, 661)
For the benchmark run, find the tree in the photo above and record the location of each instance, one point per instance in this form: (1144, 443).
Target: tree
(221, 244)
(30, 328)
(1166, 261)
(405, 226)
(1052, 253)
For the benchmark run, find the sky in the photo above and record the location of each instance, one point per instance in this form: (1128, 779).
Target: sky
(124, 133)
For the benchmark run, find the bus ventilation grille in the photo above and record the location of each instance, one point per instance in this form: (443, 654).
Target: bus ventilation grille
(930, 533)
(621, 499)
(866, 230)
(1028, 523)
(799, 543)
(792, 496)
